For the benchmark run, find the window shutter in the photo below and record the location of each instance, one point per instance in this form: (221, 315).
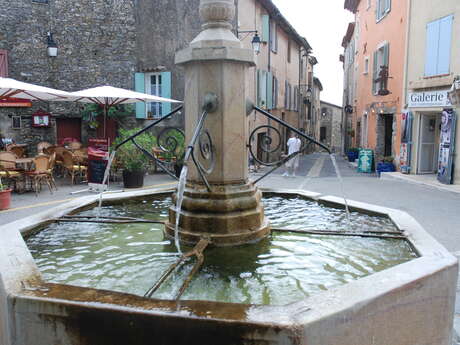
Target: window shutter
(259, 72)
(3, 63)
(139, 86)
(265, 28)
(377, 9)
(264, 88)
(269, 90)
(444, 49)
(375, 73)
(386, 54)
(432, 47)
(165, 92)
(388, 6)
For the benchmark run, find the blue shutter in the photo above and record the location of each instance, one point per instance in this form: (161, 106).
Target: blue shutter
(265, 28)
(445, 40)
(269, 90)
(165, 92)
(432, 48)
(139, 86)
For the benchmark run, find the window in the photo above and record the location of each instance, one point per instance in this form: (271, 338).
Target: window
(3, 63)
(153, 87)
(438, 46)
(275, 92)
(366, 65)
(273, 37)
(287, 96)
(158, 84)
(381, 68)
(41, 1)
(262, 88)
(382, 8)
(322, 133)
(16, 122)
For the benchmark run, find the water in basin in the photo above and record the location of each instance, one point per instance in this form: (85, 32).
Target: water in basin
(278, 270)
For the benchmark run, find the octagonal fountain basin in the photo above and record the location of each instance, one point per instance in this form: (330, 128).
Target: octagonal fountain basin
(71, 282)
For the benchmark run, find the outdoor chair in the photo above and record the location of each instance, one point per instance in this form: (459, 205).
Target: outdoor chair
(40, 174)
(73, 167)
(74, 145)
(43, 146)
(18, 151)
(50, 171)
(8, 170)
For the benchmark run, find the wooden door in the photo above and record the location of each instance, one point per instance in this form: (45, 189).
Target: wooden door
(68, 128)
(110, 130)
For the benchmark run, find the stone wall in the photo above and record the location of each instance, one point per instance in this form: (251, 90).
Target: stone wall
(96, 45)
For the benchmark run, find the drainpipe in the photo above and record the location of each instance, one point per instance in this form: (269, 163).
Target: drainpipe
(299, 108)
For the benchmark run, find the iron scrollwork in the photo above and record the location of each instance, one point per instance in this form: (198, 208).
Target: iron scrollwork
(169, 141)
(267, 139)
(206, 164)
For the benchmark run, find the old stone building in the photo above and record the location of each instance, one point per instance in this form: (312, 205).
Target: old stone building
(132, 44)
(330, 131)
(98, 43)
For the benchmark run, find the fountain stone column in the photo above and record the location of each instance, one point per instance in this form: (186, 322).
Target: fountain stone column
(216, 63)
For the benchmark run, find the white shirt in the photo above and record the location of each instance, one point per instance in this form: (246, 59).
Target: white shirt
(293, 145)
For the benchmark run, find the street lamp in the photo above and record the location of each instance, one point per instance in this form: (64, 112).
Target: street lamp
(52, 46)
(454, 93)
(255, 39)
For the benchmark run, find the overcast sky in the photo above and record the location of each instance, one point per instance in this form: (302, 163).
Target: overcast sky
(323, 24)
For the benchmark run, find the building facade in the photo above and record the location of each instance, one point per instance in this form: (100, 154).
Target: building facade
(132, 45)
(380, 46)
(349, 87)
(433, 61)
(330, 127)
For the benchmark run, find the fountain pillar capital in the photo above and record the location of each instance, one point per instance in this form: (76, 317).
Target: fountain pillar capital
(217, 13)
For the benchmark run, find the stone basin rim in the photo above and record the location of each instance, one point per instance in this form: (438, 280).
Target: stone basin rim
(433, 258)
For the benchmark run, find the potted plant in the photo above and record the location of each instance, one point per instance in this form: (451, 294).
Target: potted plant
(131, 159)
(352, 154)
(5, 196)
(385, 165)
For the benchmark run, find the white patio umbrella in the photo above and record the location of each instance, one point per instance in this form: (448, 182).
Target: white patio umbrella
(11, 88)
(108, 96)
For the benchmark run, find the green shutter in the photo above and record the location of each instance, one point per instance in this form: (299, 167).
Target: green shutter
(139, 86)
(269, 90)
(265, 28)
(165, 92)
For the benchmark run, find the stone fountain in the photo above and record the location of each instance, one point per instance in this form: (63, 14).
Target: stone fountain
(230, 211)
(411, 303)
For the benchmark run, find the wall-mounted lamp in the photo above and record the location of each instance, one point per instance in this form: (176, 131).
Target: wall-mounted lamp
(255, 39)
(52, 46)
(454, 92)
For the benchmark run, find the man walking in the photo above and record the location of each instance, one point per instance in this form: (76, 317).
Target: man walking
(293, 145)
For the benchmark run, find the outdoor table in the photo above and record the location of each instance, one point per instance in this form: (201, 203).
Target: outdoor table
(24, 163)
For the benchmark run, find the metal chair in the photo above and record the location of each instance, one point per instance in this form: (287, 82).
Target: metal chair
(40, 174)
(72, 167)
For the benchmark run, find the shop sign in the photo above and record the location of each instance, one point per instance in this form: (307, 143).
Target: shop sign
(426, 99)
(15, 103)
(41, 119)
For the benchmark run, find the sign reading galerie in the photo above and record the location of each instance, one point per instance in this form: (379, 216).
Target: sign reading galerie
(425, 99)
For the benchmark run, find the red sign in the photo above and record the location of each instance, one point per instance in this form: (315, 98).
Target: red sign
(100, 144)
(41, 119)
(15, 103)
